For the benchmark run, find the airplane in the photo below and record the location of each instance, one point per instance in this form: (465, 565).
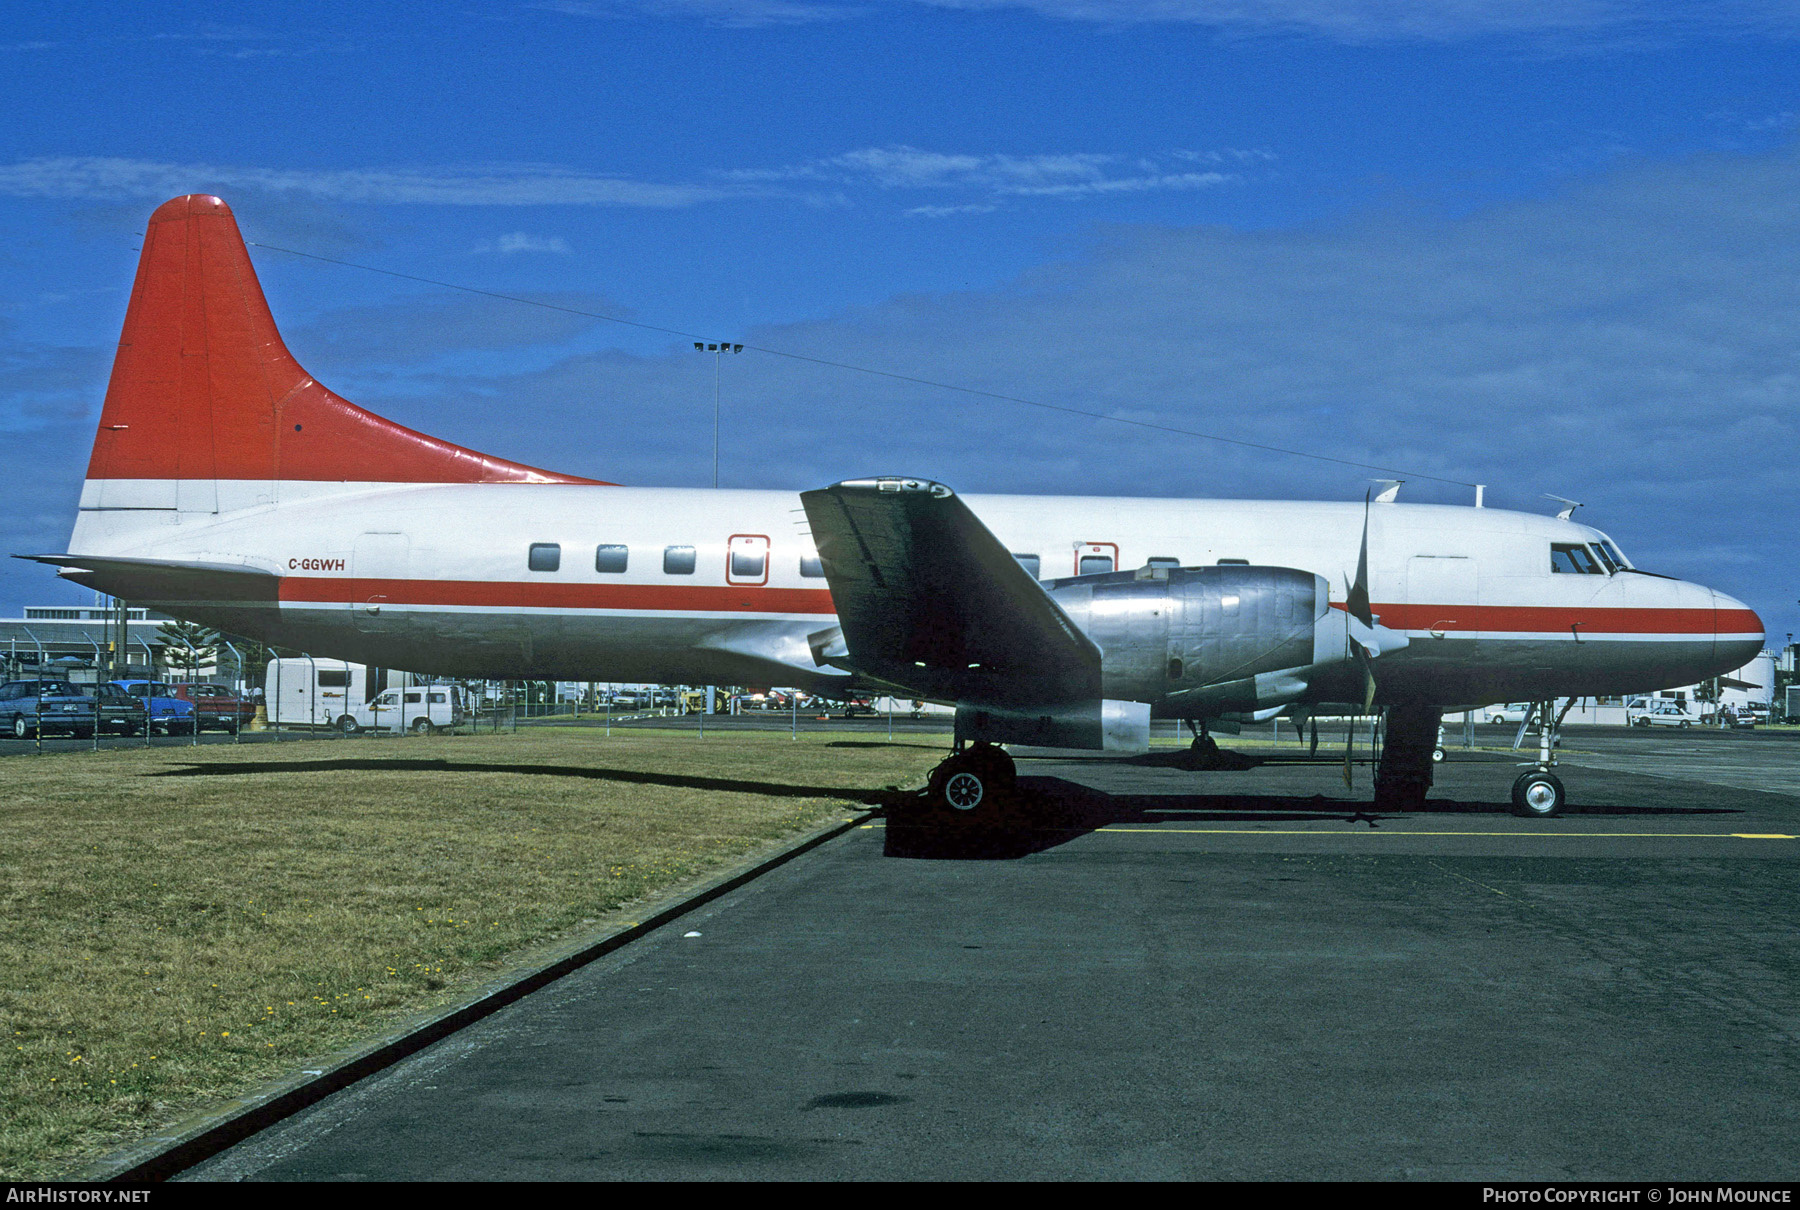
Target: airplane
(228, 487)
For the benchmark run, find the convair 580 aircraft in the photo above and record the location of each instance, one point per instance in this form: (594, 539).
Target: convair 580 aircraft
(228, 487)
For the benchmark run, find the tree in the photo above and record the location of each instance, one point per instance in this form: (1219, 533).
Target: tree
(187, 645)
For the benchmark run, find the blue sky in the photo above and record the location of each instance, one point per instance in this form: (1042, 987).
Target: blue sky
(1550, 247)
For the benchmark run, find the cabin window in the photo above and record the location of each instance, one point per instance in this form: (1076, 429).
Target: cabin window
(1095, 564)
(412, 699)
(1030, 563)
(678, 560)
(1175, 669)
(436, 699)
(812, 567)
(334, 678)
(1573, 560)
(544, 556)
(611, 559)
(747, 563)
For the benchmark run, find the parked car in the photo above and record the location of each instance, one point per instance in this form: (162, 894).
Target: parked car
(167, 713)
(1659, 713)
(1738, 718)
(217, 706)
(120, 713)
(29, 708)
(1510, 712)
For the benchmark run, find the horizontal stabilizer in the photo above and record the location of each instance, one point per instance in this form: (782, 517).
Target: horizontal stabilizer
(169, 585)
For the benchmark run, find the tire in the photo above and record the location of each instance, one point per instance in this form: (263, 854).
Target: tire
(1538, 795)
(348, 725)
(971, 785)
(1684, 724)
(421, 726)
(1437, 756)
(20, 728)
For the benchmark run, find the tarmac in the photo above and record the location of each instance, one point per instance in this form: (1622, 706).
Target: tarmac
(1165, 974)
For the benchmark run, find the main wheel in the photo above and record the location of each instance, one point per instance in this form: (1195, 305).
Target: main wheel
(971, 784)
(21, 728)
(348, 725)
(1538, 794)
(421, 726)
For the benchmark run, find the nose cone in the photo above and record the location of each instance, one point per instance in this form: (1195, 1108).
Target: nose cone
(1737, 633)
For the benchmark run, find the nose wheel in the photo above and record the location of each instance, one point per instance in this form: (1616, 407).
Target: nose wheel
(1538, 793)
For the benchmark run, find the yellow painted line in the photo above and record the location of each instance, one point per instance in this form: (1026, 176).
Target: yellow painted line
(1395, 832)
(1399, 832)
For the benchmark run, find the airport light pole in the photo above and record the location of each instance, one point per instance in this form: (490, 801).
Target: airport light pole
(717, 350)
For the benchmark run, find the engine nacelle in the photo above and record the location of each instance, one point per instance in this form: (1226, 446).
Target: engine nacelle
(1173, 632)
(1100, 726)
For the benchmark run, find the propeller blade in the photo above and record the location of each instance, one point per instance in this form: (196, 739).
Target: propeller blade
(1357, 600)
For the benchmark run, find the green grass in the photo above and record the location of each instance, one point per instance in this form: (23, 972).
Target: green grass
(183, 924)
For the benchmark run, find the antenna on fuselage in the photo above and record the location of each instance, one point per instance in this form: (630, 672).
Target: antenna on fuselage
(1568, 512)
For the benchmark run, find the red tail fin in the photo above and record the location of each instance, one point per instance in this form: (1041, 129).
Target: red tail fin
(204, 388)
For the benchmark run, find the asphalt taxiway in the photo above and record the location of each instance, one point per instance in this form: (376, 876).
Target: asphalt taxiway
(1171, 974)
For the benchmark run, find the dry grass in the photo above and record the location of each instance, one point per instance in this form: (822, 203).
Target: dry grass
(182, 924)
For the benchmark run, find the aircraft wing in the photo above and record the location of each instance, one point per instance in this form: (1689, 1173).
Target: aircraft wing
(930, 600)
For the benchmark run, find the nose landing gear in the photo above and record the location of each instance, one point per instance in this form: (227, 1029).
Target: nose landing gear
(1538, 793)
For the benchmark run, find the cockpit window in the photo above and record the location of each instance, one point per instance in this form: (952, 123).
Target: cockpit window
(1606, 560)
(1574, 560)
(1612, 550)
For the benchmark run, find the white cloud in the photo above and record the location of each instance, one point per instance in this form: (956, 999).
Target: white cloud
(995, 175)
(946, 211)
(109, 177)
(519, 241)
(730, 14)
(1375, 21)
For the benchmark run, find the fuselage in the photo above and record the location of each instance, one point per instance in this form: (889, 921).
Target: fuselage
(587, 582)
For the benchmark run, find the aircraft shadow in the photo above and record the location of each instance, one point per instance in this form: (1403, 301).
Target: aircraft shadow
(1049, 811)
(874, 798)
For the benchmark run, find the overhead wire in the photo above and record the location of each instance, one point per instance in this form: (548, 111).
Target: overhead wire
(888, 374)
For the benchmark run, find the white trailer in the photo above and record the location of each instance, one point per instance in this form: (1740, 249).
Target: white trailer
(316, 693)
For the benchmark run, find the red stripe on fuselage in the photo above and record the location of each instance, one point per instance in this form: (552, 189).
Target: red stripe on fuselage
(1558, 619)
(504, 594)
(708, 598)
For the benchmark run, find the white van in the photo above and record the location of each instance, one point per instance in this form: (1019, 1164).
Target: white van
(419, 709)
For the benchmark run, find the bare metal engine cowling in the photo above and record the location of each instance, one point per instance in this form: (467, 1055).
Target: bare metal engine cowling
(1172, 633)
(1197, 642)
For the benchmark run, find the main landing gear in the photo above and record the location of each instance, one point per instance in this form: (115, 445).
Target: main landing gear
(1408, 753)
(1538, 793)
(974, 783)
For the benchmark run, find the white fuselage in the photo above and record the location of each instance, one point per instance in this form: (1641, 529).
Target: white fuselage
(439, 579)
